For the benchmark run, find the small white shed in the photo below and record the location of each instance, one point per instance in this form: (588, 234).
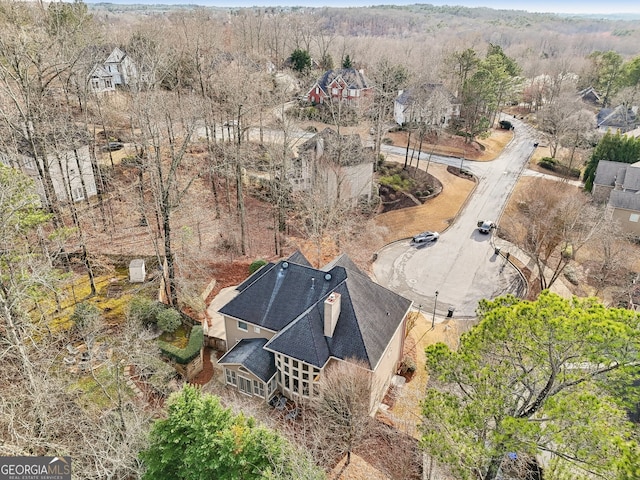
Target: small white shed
(137, 271)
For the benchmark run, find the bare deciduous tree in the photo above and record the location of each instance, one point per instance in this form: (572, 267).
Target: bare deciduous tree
(553, 224)
(343, 407)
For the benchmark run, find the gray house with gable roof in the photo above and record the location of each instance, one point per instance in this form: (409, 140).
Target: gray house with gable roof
(290, 320)
(618, 184)
(338, 166)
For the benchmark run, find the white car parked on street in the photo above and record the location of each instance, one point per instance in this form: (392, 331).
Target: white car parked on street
(425, 237)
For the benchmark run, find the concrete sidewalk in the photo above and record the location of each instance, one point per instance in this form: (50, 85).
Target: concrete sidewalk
(505, 247)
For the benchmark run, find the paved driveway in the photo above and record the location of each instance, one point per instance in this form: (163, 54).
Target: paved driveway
(462, 265)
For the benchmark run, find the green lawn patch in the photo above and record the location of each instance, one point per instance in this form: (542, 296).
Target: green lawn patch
(103, 393)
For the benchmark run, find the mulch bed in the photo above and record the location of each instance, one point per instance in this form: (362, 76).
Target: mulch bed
(392, 199)
(207, 368)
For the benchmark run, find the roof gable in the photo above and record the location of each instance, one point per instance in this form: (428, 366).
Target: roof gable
(281, 294)
(343, 261)
(379, 313)
(250, 354)
(352, 78)
(625, 200)
(590, 95)
(370, 316)
(608, 172)
(115, 56)
(99, 72)
(299, 258)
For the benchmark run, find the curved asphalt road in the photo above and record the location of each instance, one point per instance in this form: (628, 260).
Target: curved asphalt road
(462, 265)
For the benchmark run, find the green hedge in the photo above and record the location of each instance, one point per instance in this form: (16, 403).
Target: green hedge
(191, 351)
(255, 265)
(553, 165)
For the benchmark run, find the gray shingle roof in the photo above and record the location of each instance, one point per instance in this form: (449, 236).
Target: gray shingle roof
(289, 299)
(354, 79)
(299, 258)
(282, 293)
(254, 276)
(343, 261)
(625, 174)
(249, 353)
(625, 200)
(369, 317)
(607, 172)
(631, 179)
(620, 117)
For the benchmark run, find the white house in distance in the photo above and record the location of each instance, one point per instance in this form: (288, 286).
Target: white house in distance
(69, 168)
(337, 165)
(117, 70)
(100, 80)
(429, 103)
(122, 68)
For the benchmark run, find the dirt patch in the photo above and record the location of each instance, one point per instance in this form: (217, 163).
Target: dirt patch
(358, 469)
(451, 145)
(207, 368)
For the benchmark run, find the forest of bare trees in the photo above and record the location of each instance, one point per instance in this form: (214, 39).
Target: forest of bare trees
(204, 110)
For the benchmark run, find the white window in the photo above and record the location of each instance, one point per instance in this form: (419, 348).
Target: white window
(634, 217)
(244, 385)
(242, 326)
(271, 386)
(258, 388)
(231, 377)
(77, 194)
(317, 90)
(107, 83)
(256, 329)
(95, 84)
(334, 91)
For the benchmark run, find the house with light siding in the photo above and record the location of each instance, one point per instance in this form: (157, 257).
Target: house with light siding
(289, 321)
(338, 167)
(429, 104)
(618, 185)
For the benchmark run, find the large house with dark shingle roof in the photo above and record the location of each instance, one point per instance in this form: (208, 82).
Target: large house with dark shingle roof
(345, 84)
(618, 184)
(290, 320)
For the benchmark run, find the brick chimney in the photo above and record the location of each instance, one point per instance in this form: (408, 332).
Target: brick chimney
(331, 313)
